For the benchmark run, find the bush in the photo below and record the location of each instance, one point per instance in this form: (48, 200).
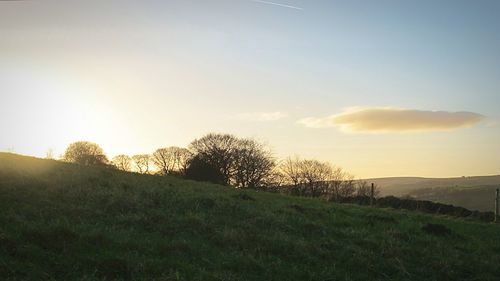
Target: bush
(201, 170)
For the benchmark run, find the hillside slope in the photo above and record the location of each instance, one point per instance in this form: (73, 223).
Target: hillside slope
(400, 186)
(474, 193)
(481, 198)
(67, 222)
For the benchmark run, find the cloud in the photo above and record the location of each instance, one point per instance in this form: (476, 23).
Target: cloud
(262, 116)
(278, 4)
(394, 120)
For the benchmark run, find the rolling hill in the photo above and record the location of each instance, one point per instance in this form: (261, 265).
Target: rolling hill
(62, 221)
(475, 193)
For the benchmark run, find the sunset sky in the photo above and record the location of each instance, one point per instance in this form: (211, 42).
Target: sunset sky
(381, 88)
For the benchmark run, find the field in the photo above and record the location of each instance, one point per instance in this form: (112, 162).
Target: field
(63, 221)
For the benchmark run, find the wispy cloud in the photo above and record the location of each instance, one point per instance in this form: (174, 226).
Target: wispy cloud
(278, 4)
(262, 116)
(394, 120)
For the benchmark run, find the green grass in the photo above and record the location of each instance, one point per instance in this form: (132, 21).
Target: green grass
(67, 222)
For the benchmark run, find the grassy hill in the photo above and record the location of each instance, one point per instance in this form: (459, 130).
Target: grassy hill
(400, 186)
(481, 198)
(474, 193)
(61, 221)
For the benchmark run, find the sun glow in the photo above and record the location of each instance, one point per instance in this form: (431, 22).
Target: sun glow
(163, 73)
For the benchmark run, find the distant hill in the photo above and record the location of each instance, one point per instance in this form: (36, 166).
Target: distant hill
(475, 193)
(62, 221)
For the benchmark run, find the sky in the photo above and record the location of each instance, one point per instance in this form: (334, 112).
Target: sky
(380, 88)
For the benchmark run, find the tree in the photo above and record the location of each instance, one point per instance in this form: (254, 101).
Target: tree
(163, 159)
(200, 170)
(218, 151)
(253, 164)
(276, 179)
(171, 160)
(50, 154)
(142, 163)
(311, 177)
(316, 176)
(85, 153)
(290, 168)
(341, 184)
(182, 156)
(363, 189)
(347, 186)
(122, 162)
(241, 162)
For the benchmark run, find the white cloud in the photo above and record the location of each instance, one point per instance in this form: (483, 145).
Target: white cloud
(262, 116)
(278, 4)
(380, 119)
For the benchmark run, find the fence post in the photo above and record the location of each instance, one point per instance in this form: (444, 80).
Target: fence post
(372, 193)
(496, 204)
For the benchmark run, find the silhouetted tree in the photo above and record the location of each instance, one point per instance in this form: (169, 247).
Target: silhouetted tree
(142, 163)
(340, 185)
(171, 160)
(275, 179)
(253, 164)
(182, 156)
(316, 178)
(85, 153)
(363, 188)
(122, 162)
(291, 170)
(345, 185)
(242, 162)
(218, 150)
(201, 170)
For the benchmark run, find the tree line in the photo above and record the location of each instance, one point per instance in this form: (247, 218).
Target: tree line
(229, 160)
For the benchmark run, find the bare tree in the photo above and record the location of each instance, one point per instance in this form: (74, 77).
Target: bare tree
(253, 163)
(347, 187)
(363, 188)
(291, 170)
(50, 154)
(181, 158)
(315, 176)
(142, 163)
(276, 179)
(218, 150)
(85, 153)
(122, 162)
(163, 160)
(241, 162)
(341, 184)
(171, 160)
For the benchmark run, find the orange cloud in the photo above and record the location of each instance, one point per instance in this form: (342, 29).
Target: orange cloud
(394, 120)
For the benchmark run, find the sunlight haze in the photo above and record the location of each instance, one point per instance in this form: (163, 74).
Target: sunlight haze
(380, 88)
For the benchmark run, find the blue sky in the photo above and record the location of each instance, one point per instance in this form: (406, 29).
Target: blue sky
(138, 75)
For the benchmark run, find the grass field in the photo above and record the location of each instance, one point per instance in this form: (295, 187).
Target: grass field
(61, 221)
